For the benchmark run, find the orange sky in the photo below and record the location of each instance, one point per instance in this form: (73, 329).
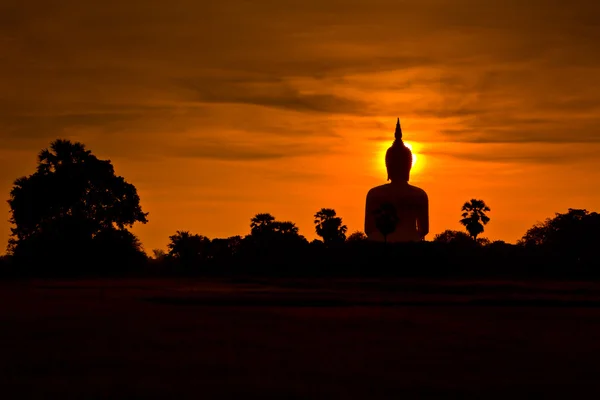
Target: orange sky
(222, 110)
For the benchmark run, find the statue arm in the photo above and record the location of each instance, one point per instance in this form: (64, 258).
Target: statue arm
(423, 217)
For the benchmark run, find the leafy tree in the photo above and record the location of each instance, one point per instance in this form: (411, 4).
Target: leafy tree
(574, 234)
(224, 249)
(569, 228)
(451, 236)
(357, 236)
(262, 223)
(474, 217)
(271, 243)
(386, 219)
(285, 228)
(189, 248)
(122, 244)
(234, 244)
(483, 241)
(159, 254)
(71, 205)
(329, 226)
(266, 230)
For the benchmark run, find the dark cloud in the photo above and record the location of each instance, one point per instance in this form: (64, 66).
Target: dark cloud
(225, 150)
(509, 135)
(276, 95)
(380, 138)
(514, 159)
(512, 153)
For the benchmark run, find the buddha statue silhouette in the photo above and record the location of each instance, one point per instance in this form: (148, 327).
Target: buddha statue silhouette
(397, 211)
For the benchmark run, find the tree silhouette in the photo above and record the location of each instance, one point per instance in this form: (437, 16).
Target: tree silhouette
(188, 248)
(159, 254)
(262, 223)
(451, 236)
(474, 217)
(572, 226)
(329, 226)
(386, 219)
(574, 234)
(357, 236)
(224, 249)
(71, 199)
(285, 228)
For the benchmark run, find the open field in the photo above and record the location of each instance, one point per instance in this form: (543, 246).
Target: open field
(298, 339)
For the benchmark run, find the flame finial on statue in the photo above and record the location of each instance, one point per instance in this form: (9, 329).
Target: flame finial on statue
(398, 133)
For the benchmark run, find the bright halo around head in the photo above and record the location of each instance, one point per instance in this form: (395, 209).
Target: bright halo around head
(414, 154)
(417, 159)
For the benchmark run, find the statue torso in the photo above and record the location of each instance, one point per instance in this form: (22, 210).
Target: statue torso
(410, 204)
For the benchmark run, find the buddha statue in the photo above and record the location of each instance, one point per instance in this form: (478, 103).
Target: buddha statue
(397, 211)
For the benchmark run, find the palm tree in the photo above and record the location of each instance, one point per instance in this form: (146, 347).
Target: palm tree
(329, 226)
(285, 228)
(474, 217)
(261, 223)
(63, 152)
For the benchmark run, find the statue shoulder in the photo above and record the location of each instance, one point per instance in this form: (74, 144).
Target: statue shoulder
(377, 190)
(418, 191)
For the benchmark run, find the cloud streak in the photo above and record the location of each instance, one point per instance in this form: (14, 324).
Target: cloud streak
(276, 95)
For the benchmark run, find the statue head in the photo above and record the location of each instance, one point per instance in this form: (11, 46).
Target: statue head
(398, 158)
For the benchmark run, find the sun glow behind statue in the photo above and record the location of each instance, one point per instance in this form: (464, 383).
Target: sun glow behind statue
(417, 159)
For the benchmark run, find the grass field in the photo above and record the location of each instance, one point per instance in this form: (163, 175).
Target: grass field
(298, 339)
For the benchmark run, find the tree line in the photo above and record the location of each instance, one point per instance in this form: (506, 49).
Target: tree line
(73, 214)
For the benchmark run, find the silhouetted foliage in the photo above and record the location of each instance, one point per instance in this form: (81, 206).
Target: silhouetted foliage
(73, 210)
(386, 220)
(262, 223)
(330, 227)
(189, 249)
(271, 244)
(450, 236)
(117, 244)
(483, 241)
(159, 254)
(573, 237)
(264, 227)
(357, 236)
(285, 228)
(474, 217)
(223, 250)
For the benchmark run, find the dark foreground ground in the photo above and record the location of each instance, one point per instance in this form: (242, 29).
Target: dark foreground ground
(295, 340)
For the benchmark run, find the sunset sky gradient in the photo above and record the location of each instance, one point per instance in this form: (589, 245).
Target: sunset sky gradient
(217, 111)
